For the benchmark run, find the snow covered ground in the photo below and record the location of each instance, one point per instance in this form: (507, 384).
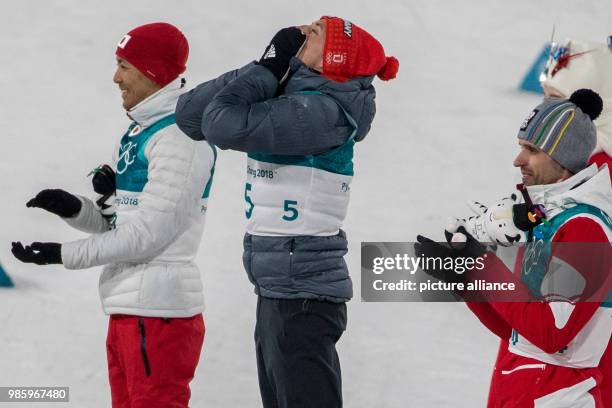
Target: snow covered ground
(444, 133)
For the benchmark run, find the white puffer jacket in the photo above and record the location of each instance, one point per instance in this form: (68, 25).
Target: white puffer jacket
(148, 256)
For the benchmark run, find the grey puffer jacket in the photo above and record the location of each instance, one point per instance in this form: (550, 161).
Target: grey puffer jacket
(305, 118)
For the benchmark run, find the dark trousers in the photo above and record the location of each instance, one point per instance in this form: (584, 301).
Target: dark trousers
(297, 362)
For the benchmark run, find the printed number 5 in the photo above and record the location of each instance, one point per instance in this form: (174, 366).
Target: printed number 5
(249, 211)
(288, 209)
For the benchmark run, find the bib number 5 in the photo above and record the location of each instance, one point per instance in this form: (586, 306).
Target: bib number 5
(249, 211)
(289, 206)
(291, 213)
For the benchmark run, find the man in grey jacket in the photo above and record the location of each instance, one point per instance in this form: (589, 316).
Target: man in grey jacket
(298, 119)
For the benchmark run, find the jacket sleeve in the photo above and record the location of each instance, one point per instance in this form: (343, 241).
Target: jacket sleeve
(490, 319)
(246, 116)
(89, 219)
(172, 188)
(191, 105)
(552, 325)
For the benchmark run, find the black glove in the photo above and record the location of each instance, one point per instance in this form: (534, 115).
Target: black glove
(286, 44)
(56, 201)
(430, 249)
(40, 253)
(103, 180)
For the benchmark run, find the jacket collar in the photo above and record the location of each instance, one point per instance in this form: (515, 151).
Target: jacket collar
(304, 78)
(589, 186)
(159, 105)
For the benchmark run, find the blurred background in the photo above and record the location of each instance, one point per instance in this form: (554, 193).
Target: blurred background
(445, 132)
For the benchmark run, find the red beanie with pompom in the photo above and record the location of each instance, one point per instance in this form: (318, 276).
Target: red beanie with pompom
(158, 50)
(350, 51)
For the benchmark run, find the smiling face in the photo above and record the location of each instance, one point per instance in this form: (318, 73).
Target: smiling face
(312, 53)
(537, 167)
(134, 86)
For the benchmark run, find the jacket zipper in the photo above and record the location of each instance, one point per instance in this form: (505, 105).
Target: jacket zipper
(143, 347)
(291, 249)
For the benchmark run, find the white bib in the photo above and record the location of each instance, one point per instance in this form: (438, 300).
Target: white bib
(300, 195)
(286, 199)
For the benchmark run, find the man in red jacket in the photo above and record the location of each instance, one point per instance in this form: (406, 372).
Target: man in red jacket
(551, 348)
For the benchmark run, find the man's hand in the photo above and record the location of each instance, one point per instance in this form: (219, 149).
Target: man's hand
(40, 253)
(103, 180)
(286, 44)
(428, 248)
(56, 201)
(104, 183)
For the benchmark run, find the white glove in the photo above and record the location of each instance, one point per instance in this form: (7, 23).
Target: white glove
(494, 224)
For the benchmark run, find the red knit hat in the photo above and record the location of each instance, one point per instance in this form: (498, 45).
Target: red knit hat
(350, 51)
(158, 50)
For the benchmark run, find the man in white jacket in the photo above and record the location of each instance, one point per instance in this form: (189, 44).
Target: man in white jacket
(149, 286)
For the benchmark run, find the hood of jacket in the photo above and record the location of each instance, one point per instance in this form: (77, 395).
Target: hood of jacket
(356, 96)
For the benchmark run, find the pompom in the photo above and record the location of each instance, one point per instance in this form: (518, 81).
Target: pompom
(389, 70)
(588, 101)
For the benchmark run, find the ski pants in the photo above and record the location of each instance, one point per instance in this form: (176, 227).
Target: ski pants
(297, 362)
(152, 360)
